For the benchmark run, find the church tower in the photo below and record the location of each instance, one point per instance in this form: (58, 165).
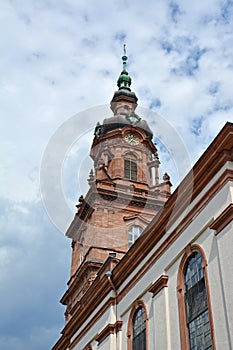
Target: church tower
(125, 193)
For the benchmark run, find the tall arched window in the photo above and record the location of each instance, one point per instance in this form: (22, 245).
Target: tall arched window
(130, 167)
(197, 314)
(134, 233)
(139, 329)
(195, 322)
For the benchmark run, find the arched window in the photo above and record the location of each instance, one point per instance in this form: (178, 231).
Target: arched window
(139, 329)
(195, 322)
(134, 233)
(197, 314)
(130, 168)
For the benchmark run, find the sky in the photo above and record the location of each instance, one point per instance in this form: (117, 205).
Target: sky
(60, 61)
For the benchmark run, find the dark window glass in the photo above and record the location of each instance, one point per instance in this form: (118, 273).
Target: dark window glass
(197, 314)
(130, 169)
(139, 329)
(127, 169)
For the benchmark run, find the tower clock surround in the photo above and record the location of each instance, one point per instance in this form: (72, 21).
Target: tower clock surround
(132, 138)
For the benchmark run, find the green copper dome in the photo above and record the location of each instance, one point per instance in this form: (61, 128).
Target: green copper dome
(124, 82)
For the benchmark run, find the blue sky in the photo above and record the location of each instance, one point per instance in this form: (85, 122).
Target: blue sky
(59, 58)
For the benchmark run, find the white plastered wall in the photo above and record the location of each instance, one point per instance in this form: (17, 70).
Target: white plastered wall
(163, 315)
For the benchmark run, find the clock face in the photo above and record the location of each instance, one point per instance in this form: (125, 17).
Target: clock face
(132, 139)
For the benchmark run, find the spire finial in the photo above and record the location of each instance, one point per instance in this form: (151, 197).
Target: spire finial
(124, 59)
(124, 80)
(124, 92)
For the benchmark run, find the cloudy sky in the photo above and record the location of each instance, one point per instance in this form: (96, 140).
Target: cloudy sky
(58, 59)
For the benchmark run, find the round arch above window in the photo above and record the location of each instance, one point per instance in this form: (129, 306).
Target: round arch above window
(130, 155)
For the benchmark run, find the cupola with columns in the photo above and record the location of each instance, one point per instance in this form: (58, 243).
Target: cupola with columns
(125, 193)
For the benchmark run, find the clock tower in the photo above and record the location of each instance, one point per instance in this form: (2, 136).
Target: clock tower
(125, 193)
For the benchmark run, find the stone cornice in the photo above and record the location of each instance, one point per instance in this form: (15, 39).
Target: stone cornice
(136, 216)
(90, 301)
(223, 219)
(131, 198)
(88, 206)
(62, 343)
(77, 276)
(109, 329)
(159, 284)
